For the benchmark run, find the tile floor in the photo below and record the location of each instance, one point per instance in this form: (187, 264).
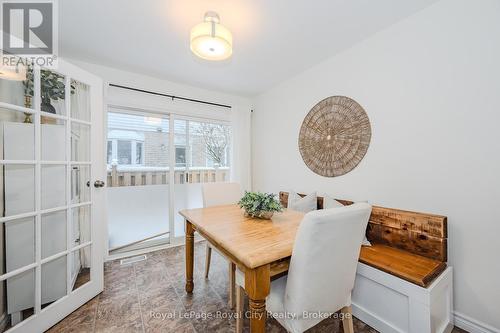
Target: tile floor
(149, 296)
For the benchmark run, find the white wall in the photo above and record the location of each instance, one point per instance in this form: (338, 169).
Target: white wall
(431, 87)
(239, 114)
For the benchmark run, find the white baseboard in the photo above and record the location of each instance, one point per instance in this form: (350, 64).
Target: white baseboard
(471, 325)
(461, 321)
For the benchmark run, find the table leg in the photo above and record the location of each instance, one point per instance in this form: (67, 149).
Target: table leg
(240, 304)
(232, 285)
(189, 256)
(257, 286)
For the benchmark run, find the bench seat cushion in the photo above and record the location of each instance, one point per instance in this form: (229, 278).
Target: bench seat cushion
(405, 265)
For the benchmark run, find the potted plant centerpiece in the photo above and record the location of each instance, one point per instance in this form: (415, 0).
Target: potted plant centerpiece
(260, 205)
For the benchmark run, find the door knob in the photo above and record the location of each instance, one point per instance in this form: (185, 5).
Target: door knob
(99, 183)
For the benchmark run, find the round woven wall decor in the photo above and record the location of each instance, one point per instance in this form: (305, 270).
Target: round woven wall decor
(334, 136)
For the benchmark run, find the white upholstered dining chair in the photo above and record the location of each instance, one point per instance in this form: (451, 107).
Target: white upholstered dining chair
(217, 194)
(322, 269)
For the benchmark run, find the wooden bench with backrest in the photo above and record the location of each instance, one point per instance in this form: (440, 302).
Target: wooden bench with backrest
(409, 245)
(403, 284)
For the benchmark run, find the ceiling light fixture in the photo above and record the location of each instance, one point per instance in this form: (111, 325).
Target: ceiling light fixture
(210, 40)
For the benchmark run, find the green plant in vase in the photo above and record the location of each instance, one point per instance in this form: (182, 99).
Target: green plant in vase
(260, 205)
(52, 88)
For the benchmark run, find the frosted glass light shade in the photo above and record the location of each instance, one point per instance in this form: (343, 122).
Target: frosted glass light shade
(211, 41)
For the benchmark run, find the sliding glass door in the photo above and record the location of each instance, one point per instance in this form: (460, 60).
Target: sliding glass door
(138, 179)
(156, 164)
(202, 155)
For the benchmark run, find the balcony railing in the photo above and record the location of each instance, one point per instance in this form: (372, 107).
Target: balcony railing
(140, 175)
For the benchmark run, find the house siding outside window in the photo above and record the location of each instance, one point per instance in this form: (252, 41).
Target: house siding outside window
(144, 141)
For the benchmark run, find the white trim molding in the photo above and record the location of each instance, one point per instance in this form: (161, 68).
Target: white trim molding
(472, 325)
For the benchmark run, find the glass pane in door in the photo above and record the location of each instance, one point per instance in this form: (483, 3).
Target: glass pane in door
(80, 183)
(54, 281)
(21, 298)
(17, 135)
(52, 93)
(138, 178)
(80, 225)
(16, 87)
(53, 227)
(53, 139)
(80, 100)
(19, 189)
(19, 243)
(207, 148)
(53, 186)
(80, 142)
(211, 145)
(81, 264)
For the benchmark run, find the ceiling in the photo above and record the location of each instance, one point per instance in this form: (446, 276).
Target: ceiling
(272, 39)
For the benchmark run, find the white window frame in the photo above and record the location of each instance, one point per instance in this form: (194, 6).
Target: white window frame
(133, 151)
(185, 155)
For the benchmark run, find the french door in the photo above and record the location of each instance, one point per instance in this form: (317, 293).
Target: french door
(52, 173)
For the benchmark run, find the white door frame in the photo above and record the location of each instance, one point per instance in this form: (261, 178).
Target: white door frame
(44, 318)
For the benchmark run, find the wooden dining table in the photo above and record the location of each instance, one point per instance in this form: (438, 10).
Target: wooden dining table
(259, 248)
